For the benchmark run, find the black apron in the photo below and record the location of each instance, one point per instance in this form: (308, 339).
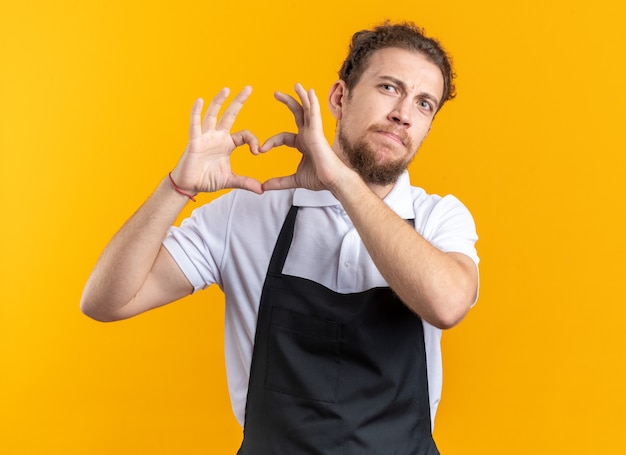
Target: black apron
(334, 373)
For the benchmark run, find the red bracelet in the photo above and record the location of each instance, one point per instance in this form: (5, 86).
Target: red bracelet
(178, 190)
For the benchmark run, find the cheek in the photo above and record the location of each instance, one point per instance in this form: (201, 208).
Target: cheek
(365, 111)
(352, 123)
(359, 117)
(421, 130)
(418, 137)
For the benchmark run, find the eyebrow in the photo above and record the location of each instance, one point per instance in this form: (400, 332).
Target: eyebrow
(425, 95)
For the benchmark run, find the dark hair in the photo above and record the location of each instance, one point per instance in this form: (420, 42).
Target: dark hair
(404, 35)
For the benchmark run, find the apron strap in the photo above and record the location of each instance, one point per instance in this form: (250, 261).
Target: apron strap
(284, 242)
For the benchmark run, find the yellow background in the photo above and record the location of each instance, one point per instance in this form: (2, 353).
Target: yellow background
(94, 105)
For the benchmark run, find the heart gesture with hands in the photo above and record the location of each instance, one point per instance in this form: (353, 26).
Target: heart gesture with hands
(319, 166)
(205, 165)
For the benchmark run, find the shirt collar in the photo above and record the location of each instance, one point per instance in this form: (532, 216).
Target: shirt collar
(399, 199)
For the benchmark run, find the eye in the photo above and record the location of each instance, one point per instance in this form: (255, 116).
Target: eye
(388, 88)
(425, 105)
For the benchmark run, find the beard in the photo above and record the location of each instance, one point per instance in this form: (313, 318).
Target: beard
(361, 157)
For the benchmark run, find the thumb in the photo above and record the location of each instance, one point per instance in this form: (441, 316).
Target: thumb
(246, 183)
(280, 183)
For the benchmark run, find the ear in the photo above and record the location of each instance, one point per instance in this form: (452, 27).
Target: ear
(336, 98)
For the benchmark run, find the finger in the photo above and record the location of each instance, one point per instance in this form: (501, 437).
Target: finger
(210, 118)
(313, 102)
(288, 139)
(195, 129)
(230, 114)
(315, 114)
(293, 105)
(280, 183)
(310, 106)
(304, 98)
(247, 183)
(246, 137)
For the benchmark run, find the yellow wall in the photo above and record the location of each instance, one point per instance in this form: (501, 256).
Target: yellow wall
(94, 104)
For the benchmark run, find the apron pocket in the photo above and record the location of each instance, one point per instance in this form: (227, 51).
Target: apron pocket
(303, 357)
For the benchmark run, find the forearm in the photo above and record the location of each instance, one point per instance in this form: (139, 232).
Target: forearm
(126, 262)
(135, 272)
(438, 286)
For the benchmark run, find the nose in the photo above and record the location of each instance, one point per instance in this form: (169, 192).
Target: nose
(401, 113)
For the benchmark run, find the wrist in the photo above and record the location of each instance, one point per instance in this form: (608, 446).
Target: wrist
(346, 184)
(180, 191)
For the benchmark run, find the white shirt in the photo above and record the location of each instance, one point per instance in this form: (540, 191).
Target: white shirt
(229, 242)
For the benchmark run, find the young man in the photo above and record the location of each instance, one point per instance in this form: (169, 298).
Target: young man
(338, 278)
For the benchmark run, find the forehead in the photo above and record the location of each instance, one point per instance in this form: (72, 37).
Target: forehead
(414, 69)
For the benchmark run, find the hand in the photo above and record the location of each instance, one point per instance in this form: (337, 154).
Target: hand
(205, 165)
(320, 166)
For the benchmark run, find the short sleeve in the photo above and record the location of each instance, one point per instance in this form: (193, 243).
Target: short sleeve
(198, 245)
(450, 227)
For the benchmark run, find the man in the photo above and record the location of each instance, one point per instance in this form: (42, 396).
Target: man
(338, 278)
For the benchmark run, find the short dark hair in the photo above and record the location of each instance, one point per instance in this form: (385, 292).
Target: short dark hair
(405, 35)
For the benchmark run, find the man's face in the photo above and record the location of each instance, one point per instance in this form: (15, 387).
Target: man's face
(386, 116)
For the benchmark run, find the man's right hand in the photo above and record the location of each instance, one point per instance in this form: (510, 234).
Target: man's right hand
(135, 273)
(205, 165)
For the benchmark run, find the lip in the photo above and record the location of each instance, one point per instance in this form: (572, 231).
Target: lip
(394, 137)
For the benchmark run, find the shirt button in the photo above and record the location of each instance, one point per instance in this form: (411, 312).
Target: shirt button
(347, 264)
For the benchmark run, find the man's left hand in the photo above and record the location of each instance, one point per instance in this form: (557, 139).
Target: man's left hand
(320, 168)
